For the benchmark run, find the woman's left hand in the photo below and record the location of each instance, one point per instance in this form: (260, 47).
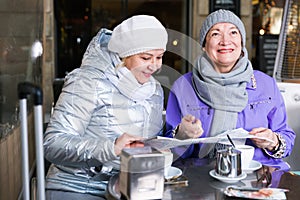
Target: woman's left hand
(127, 141)
(266, 133)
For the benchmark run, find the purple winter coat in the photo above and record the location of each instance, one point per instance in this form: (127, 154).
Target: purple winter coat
(265, 108)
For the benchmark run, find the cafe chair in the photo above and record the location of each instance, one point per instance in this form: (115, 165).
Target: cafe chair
(291, 95)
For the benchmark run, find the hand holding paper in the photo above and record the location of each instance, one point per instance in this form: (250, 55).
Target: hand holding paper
(265, 133)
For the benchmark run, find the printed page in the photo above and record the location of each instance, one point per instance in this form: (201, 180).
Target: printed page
(167, 143)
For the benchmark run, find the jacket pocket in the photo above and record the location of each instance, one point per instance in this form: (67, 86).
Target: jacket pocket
(257, 112)
(260, 104)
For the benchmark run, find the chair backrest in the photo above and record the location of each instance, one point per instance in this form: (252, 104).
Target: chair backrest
(57, 87)
(291, 95)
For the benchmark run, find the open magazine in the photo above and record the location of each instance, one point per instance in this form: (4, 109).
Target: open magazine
(161, 143)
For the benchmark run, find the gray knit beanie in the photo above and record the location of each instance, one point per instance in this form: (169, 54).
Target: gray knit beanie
(220, 16)
(138, 34)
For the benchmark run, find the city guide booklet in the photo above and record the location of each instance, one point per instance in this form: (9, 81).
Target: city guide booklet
(239, 134)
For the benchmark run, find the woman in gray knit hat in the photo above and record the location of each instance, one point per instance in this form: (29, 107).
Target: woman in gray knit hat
(224, 93)
(111, 102)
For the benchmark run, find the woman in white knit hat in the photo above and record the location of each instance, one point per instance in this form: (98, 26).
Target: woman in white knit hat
(224, 92)
(109, 103)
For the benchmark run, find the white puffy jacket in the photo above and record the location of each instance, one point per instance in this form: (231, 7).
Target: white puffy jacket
(89, 115)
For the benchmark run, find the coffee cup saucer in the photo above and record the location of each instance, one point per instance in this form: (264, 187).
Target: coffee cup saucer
(224, 179)
(253, 166)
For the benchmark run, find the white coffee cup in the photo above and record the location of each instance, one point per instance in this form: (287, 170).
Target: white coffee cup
(168, 161)
(247, 153)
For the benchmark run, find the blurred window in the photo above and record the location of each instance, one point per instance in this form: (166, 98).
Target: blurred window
(287, 65)
(78, 21)
(20, 46)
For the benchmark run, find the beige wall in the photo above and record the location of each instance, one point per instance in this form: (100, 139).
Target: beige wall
(10, 162)
(48, 71)
(201, 10)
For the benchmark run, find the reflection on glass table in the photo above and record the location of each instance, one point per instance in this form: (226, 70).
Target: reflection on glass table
(198, 184)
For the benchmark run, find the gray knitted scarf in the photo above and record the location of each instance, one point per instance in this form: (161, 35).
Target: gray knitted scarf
(224, 92)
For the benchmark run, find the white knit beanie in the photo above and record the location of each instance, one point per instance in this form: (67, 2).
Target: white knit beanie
(138, 34)
(220, 16)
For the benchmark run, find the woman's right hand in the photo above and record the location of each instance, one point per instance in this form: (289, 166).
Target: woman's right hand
(127, 141)
(190, 127)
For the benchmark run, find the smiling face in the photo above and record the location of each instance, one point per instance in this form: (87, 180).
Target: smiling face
(223, 46)
(143, 65)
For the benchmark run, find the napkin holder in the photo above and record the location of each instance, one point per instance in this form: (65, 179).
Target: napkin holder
(141, 173)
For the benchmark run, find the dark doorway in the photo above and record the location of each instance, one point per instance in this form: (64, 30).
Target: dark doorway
(77, 21)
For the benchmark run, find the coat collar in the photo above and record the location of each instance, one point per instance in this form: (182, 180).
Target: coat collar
(252, 84)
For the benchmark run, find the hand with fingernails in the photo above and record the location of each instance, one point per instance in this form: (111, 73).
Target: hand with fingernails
(266, 133)
(127, 141)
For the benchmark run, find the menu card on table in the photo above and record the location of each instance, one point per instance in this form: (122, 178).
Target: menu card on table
(161, 143)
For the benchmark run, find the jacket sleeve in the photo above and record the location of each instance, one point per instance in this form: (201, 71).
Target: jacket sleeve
(173, 113)
(278, 121)
(181, 94)
(66, 142)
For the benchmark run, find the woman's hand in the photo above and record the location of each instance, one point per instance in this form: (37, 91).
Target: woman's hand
(190, 127)
(267, 133)
(127, 141)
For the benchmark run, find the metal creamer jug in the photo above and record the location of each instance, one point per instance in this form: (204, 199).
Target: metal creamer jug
(228, 163)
